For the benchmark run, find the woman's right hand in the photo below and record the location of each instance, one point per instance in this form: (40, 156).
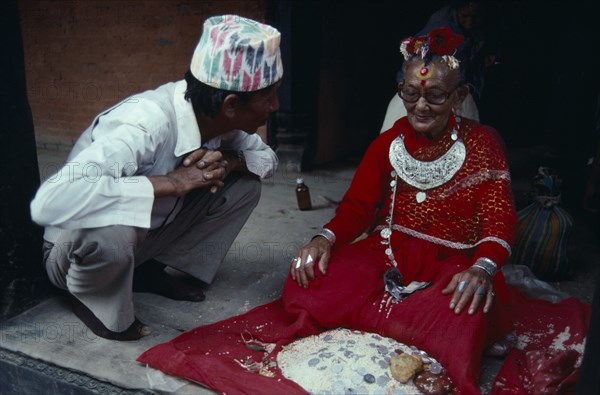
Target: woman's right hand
(316, 252)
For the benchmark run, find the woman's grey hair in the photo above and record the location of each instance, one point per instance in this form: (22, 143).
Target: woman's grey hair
(462, 79)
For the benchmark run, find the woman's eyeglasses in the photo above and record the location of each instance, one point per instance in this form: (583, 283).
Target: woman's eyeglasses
(434, 96)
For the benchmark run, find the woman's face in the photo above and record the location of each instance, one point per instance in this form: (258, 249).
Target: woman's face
(437, 83)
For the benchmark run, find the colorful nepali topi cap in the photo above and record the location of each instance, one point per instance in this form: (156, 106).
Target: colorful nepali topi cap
(237, 54)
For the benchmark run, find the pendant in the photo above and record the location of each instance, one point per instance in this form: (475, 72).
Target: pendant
(392, 280)
(421, 196)
(385, 233)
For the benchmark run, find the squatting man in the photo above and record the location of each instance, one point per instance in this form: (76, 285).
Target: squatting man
(175, 170)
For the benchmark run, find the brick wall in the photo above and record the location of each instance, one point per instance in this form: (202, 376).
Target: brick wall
(84, 56)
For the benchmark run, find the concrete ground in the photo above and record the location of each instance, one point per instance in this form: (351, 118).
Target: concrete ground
(252, 274)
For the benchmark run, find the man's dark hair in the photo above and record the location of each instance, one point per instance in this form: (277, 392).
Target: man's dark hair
(206, 99)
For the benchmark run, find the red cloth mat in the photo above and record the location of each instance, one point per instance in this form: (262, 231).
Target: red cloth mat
(545, 360)
(549, 349)
(208, 354)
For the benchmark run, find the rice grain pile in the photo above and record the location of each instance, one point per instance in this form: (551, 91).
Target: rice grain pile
(343, 361)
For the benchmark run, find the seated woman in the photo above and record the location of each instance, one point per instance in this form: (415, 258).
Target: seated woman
(437, 189)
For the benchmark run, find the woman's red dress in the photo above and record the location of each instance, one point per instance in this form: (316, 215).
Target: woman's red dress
(469, 216)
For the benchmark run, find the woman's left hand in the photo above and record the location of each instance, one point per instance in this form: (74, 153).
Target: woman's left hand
(472, 287)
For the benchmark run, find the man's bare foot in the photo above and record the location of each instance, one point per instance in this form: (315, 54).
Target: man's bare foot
(151, 277)
(136, 330)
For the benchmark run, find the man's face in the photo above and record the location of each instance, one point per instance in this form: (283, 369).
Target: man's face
(255, 113)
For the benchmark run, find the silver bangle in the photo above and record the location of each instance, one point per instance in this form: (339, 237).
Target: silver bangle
(328, 234)
(486, 264)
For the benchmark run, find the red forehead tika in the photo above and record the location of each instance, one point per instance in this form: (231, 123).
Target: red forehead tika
(424, 73)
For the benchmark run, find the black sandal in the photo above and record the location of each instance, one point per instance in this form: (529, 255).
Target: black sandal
(136, 330)
(151, 277)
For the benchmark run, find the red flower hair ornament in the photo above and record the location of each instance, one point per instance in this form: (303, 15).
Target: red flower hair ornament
(441, 41)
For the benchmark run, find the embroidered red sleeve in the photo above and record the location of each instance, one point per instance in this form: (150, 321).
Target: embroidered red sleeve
(358, 207)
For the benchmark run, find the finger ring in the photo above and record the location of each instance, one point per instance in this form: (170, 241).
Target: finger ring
(308, 260)
(298, 261)
(480, 290)
(461, 286)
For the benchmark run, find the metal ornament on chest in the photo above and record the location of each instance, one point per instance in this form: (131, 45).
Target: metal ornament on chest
(422, 175)
(425, 175)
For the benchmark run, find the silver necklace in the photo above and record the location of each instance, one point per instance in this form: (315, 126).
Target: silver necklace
(422, 175)
(425, 175)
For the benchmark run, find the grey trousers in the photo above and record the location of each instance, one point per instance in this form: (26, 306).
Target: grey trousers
(96, 265)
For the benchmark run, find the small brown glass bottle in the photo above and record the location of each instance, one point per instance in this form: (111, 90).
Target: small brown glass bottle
(303, 195)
